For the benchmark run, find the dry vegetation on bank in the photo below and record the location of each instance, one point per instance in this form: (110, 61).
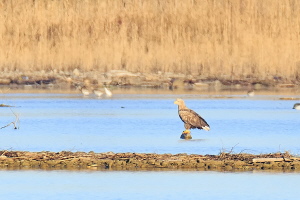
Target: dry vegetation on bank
(142, 161)
(217, 38)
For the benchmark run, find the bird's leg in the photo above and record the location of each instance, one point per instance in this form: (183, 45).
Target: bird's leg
(186, 131)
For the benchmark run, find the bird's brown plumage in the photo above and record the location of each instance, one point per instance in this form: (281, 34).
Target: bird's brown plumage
(190, 118)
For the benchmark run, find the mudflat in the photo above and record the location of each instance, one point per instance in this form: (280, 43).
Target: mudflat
(147, 161)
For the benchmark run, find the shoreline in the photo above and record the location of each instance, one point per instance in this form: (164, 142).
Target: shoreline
(92, 80)
(65, 160)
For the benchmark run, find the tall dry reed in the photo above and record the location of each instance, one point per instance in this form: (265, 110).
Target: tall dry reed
(228, 38)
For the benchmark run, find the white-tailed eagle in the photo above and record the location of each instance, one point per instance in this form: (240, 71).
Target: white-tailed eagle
(190, 119)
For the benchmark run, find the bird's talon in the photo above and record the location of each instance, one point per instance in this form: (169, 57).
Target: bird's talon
(186, 132)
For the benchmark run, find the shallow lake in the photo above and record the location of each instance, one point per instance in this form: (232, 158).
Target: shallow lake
(149, 123)
(175, 185)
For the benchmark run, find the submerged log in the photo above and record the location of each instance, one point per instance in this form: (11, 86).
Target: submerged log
(4, 105)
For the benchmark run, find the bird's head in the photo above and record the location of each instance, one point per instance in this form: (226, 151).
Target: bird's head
(179, 102)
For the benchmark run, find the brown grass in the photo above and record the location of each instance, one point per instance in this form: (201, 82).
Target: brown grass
(228, 38)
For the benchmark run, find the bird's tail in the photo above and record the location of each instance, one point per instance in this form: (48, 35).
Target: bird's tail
(205, 128)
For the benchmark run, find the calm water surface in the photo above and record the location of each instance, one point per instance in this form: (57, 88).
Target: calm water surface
(147, 185)
(149, 124)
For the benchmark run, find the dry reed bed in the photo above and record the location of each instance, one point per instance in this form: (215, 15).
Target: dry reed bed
(236, 39)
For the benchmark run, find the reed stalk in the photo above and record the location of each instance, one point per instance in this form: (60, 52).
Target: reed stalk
(217, 38)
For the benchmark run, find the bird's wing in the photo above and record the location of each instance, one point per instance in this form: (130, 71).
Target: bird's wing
(191, 117)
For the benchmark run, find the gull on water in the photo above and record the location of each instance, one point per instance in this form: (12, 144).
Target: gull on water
(296, 106)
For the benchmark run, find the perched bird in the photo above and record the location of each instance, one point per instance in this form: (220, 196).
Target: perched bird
(250, 93)
(296, 106)
(98, 93)
(83, 90)
(107, 92)
(191, 119)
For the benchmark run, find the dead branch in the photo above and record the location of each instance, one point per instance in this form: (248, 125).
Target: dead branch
(16, 123)
(231, 150)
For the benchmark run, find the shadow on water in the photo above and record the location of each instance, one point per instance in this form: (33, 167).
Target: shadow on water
(193, 140)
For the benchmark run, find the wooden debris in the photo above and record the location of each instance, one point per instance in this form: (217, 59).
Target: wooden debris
(4, 105)
(262, 160)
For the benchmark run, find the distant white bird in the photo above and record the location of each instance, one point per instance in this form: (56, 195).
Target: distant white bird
(85, 92)
(296, 106)
(107, 92)
(251, 93)
(98, 93)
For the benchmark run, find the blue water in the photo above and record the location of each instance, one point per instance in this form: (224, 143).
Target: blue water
(176, 185)
(148, 124)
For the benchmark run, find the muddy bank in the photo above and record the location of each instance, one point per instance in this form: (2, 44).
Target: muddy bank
(92, 80)
(142, 161)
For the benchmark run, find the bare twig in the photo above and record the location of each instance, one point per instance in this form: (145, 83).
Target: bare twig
(16, 123)
(3, 153)
(242, 151)
(223, 152)
(6, 125)
(231, 150)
